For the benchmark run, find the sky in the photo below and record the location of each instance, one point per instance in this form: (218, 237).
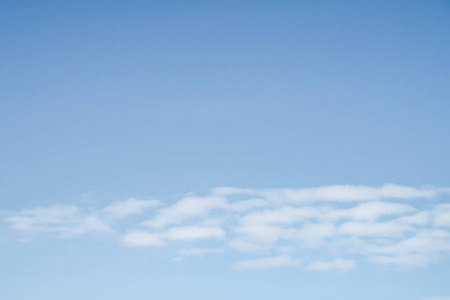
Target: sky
(217, 150)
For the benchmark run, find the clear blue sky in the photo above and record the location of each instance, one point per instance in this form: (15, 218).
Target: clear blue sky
(330, 118)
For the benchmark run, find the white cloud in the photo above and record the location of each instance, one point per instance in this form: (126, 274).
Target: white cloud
(187, 233)
(425, 242)
(245, 245)
(371, 211)
(184, 209)
(269, 226)
(402, 260)
(41, 218)
(282, 215)
(142, 239)
(312, 235)
(199, 251)
(68, 221)
(63, 220)
(383, 229)
(266, 263)
(337, 264)
(349, 193)
(442, 215)
(91, 223)
(420, 218)
(191, 207)
(129, 207)
(378, 224)
(246, 205)
(190, 233)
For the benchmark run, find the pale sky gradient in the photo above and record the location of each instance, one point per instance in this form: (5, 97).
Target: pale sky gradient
(218, 150)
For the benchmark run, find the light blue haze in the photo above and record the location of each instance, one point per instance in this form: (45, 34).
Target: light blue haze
(102, 101)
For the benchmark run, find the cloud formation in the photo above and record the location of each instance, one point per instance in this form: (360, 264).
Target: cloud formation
(337, 264)
(199, 251)
(142, 239)
(63, 220)
(388, 225)
(130, 207)
(266, 263)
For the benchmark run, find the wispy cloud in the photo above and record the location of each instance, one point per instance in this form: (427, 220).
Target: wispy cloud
(349, 193)
(142, 239)
(182, 253)
(338, 264)
(185, 233)
(266, 263)
(184, 209)
(71, 221)
(378, 225)
(64, 220)
(190, 233)
(130, 207)
(199, 251)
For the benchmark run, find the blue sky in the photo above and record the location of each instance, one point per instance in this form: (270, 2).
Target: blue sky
(216, 150)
